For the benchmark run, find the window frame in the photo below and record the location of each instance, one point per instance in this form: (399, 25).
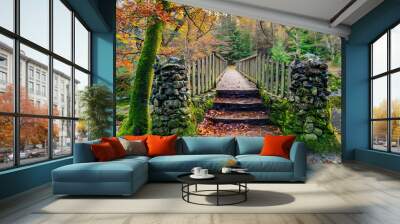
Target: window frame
(16, 114)
(388, 74)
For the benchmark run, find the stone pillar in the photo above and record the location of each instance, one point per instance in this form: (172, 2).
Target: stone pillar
(171, 97)
(309, 96)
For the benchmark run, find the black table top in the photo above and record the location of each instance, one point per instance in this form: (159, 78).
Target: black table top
(220, 178)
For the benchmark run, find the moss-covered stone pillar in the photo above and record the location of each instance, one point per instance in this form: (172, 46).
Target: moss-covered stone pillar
(171, 98)
(311, 114)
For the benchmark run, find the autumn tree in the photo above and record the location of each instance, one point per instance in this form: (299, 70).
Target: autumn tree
(139, 112)
(33, 131)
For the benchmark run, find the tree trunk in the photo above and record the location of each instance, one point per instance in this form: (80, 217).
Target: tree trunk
(139, 121)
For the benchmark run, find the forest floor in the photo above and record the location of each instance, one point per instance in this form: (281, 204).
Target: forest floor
(237, 110)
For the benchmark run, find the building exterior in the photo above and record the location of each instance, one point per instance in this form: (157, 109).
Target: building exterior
(34, 80)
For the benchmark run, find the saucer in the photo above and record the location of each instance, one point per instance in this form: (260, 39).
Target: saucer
(208, 176)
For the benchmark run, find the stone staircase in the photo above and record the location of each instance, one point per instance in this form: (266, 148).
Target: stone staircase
(238, 109)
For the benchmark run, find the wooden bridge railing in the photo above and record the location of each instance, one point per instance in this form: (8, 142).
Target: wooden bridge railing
(271, 75)
(205, 73)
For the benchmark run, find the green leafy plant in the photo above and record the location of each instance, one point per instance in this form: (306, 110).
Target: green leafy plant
(97, 103)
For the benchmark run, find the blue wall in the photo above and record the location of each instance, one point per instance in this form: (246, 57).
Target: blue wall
(356, 83)
(100, 17)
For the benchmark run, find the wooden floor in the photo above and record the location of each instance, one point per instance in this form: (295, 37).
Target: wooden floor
(379, 189)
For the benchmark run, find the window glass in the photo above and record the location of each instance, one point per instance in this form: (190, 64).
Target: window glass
(395, 95)
(81, 131)
(81, 82)
(395, 47)
(6, 142)
(62, 89)
(379, 135)
(7, 14)
(379, 98)
(379, 56)
(33, 139)
(62, 138)
(62, 29)
(395, 136)
(35, 21)
(81, 45)
(6, 74)
(39, 62)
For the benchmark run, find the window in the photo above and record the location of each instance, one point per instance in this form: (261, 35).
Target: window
(6, 73)
(81, 45)
(30, 72)
(385, 92)
(30, 87)
(3, 71)
(62, 29)
(7, 14)
(49, 80)
(35, 21)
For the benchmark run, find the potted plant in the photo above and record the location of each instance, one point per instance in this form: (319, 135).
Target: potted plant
(96, 102)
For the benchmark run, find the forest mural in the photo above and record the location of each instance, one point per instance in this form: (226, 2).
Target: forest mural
(190, 71)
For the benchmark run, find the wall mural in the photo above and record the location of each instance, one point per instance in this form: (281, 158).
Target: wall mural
(190, 71)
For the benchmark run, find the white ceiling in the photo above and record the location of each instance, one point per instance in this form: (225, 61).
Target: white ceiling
(310, 14)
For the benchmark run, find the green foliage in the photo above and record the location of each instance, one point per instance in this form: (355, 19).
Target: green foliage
(236, 43)
(278, 52)
(198, 107)
(302, 42)
(283, 115)
(139, 121)
(334, 82)
(97, 104)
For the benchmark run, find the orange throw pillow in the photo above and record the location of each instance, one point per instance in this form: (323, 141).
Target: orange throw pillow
(103, 152)
(161, 145)
(136, 137)
(277, 145)
(116, 145)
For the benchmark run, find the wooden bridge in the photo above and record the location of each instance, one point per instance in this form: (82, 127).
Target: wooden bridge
(238, 108)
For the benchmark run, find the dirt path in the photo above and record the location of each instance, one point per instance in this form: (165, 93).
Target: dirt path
(238, 109)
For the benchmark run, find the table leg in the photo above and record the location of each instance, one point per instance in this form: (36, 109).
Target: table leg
(217, 194)
(245, 193)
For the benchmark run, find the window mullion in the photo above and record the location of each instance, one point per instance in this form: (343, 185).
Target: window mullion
(73, 82)
(50, 81)
(389, 104)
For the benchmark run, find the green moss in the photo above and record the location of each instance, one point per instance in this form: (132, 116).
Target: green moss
(283, 115)
(198, 107)
(139, 121)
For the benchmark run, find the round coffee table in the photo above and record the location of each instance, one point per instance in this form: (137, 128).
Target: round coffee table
(238, 179)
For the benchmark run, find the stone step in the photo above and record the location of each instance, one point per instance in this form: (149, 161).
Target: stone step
(238, 104)
(244, 117)
(237, 93)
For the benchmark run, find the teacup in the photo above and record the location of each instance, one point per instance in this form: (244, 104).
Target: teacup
(196, 171)
(226, 170)
(203, 172)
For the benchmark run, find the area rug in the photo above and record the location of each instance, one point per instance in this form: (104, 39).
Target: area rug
(166, 198)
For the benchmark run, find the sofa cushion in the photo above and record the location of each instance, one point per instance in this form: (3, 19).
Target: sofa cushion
(116, 145)
(277, 145)
(103, 152)
(249, 145)
(257, 163)
(185, 163)
(112, 171)
(136, 147)
(161, 145)
(83, 152)
(206, 145)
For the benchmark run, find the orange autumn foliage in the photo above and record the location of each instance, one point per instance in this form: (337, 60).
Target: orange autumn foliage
(33, 130)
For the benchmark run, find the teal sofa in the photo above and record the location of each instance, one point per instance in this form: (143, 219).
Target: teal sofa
(125, 176)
